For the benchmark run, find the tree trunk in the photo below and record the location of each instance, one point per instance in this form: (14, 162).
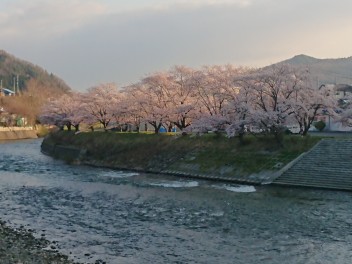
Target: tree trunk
(241, 134)
(279, 136)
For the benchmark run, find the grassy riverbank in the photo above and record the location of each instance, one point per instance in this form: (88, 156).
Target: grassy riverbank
(207, 154)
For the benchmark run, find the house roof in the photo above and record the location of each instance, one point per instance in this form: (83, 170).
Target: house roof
(7, 91)
(343, 88)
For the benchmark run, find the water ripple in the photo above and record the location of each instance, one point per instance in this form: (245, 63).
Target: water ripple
(123, 217)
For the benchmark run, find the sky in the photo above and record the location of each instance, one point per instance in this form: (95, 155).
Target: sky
(89, 42)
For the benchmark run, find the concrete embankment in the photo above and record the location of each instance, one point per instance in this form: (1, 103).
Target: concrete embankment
(17, 133)
(328, 165)
(67, 153)
(75, 155)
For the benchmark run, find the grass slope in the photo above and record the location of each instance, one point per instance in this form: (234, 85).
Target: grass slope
(206, 154)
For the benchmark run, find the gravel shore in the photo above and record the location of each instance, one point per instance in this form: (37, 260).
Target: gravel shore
(19, 246)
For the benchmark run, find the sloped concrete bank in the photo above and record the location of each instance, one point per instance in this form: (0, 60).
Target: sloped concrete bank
(17, 134)
(328, 165)
(67, 153)
(78, 156)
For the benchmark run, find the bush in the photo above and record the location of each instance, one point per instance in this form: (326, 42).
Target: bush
(42, 131)
(320, 125)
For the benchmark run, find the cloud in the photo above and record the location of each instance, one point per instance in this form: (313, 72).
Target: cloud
(87, 42)
(40, 19)
(200, 3)
(193, 4)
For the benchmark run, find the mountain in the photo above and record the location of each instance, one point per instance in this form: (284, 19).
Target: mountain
(326, 71)
(17, 73)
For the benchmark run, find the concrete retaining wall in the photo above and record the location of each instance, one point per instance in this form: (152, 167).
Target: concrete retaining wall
(67, 153)
(75, 155)
(15, 128)
(17, 134)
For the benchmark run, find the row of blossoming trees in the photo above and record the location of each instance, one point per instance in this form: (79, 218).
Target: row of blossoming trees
(216, 98)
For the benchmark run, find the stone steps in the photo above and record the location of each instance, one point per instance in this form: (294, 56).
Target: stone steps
(326, 165)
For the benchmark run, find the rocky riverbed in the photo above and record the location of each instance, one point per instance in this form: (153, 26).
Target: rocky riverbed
(20, 246)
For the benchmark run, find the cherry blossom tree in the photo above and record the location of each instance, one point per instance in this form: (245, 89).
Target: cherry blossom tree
(217, 98)
(345, 107)
(239, 113)
(59, 112)
(272, 89)
(217, 95)
(310, 101)
(284, 94)
(216, 86)
(100, 103)
(131, 106)
(172, 93)
(157, 107)
(150, 103)
(182, 95)
(76, 113)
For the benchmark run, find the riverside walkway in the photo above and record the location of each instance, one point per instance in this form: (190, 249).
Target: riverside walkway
(327, 165)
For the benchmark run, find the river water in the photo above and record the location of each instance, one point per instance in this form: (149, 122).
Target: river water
(124, 217)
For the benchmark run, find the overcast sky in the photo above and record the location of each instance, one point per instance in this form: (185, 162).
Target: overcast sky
(87, 42)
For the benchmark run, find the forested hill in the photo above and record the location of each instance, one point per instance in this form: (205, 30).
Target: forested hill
(325, 71)
(28, 74)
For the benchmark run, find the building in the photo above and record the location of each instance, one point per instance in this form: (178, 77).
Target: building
(6, 92)
(341, 92)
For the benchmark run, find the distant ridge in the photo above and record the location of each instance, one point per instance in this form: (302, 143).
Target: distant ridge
(301, 60)
(11, 67)
(331, 71)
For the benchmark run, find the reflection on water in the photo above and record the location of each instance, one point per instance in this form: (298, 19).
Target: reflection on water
(123, 217)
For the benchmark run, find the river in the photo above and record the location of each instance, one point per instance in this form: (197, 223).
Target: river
(95, 214)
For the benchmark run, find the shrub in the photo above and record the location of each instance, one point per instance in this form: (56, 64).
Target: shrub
(320, 125)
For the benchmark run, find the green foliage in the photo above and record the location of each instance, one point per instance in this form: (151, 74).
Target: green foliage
(42, 131)
(320, 125)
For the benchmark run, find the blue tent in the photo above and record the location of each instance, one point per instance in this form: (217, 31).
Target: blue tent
(163, 130)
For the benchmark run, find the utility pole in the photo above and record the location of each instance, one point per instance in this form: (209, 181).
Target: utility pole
(14, 85)
(17, 85)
